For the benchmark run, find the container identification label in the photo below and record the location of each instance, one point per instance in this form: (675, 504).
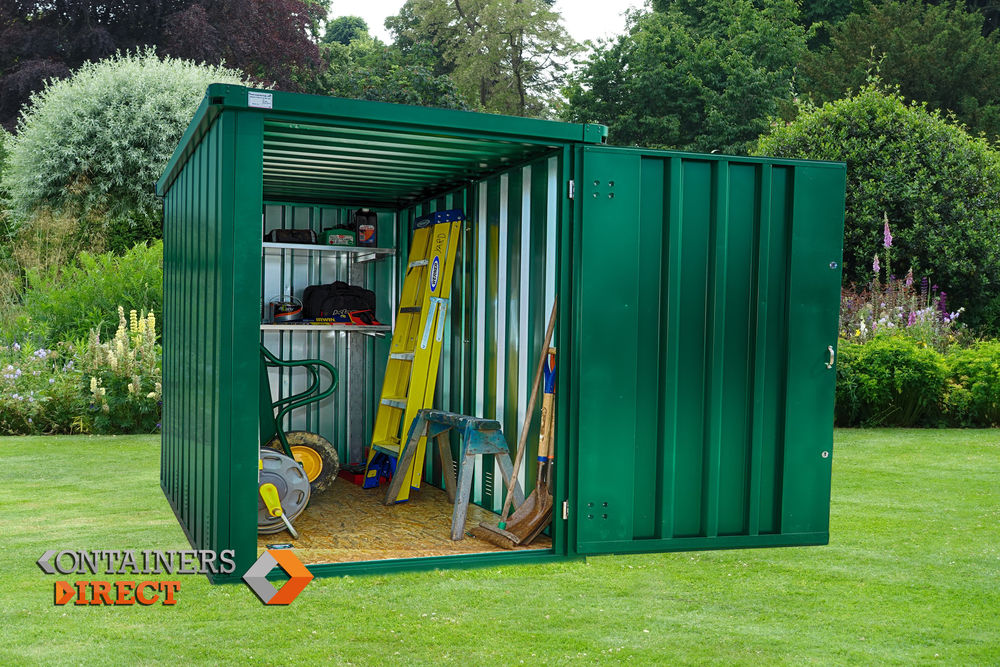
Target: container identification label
(259, 100)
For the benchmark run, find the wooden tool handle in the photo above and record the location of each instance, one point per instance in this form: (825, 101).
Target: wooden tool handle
(544, 437)
(523, 439)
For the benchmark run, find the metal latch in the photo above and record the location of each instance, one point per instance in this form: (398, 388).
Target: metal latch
(572, 189)
(565, 510)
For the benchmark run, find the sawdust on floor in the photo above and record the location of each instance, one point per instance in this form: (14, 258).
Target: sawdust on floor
(348, 524)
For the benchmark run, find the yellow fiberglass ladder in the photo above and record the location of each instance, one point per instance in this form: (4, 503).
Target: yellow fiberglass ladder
(411, 371)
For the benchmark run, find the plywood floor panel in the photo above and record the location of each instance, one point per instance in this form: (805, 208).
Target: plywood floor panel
(349, 524)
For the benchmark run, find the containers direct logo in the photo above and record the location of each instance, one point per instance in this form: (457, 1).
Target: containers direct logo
(256, 577)
(117, 562)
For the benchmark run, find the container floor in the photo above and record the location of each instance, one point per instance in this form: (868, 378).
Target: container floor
(349, 524)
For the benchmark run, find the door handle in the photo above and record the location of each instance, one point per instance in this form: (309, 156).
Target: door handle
(833, 354)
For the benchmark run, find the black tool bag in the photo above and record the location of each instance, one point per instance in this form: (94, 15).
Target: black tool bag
(338, 302)
(291, 236)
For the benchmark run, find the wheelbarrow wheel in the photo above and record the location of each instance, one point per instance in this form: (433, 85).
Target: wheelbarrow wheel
(318, 457)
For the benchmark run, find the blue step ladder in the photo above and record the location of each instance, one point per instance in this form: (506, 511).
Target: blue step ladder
(478, 436)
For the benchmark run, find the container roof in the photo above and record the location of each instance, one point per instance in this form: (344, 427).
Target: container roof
(330, 150)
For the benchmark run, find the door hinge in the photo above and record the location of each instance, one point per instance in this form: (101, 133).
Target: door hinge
(572, 189)
(565, 507)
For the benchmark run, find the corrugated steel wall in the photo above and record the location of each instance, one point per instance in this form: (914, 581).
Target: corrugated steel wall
(501, 295)
(194, 230)
(707, 292)
(210, 353)
(290, 272)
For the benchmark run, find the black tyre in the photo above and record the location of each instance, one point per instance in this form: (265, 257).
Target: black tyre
(318, 457)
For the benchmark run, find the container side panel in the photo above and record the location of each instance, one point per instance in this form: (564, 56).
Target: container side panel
(648, 420)
(192, 434)
(690, 331)
(706, 291)
(772, 341)
(611, 249)
(242, 337)
(737, 333)
(814, 282)
(208, 464)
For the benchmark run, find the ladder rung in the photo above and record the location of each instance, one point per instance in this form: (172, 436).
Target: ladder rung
(409, 309)
(395, 403)
(390, 446)
(419, 262)
(402, 356)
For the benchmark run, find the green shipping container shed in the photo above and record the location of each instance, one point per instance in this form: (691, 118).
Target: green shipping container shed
(697, 327)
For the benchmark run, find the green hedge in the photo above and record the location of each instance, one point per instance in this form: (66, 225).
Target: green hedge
(896, 381)
(65, 303)
(975, 381)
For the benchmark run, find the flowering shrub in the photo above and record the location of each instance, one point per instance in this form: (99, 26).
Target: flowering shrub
(95, 386)
(39, 391)
(899, 305)
(123, 376)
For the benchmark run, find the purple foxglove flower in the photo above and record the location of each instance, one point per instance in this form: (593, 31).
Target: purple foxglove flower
(875, 265)
(943, 304)
(909, 278)
(886, 234)
(913, 319)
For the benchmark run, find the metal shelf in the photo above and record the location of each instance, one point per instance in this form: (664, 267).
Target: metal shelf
(362, 253)
(306, 326)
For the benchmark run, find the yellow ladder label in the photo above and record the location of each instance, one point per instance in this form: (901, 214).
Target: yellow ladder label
(415, 353)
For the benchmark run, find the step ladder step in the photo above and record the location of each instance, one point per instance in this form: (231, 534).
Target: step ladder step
(384, 447)
(409, 309)
(419, 262)
(402, 356)
(395, 403)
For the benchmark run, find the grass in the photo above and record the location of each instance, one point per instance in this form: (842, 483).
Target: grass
(910, 576)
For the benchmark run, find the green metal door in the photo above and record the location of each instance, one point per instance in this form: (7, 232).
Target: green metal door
(705, 304)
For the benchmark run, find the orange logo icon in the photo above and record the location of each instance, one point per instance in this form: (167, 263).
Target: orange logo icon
(256, 576)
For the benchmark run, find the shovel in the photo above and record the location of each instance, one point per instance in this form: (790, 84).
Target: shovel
(535, 513)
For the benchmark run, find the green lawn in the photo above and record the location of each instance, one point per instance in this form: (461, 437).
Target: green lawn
(911, 575)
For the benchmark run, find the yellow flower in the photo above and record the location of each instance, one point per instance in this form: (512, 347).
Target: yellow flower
(151, 394)
(93, 385)
(857, 332)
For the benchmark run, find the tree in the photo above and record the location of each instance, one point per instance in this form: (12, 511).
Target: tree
(41, 39)
(367, 69)
(92, 146)
(344, 30)
(701, 76)
(507, 55)
(935, 54)
(938, 186)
